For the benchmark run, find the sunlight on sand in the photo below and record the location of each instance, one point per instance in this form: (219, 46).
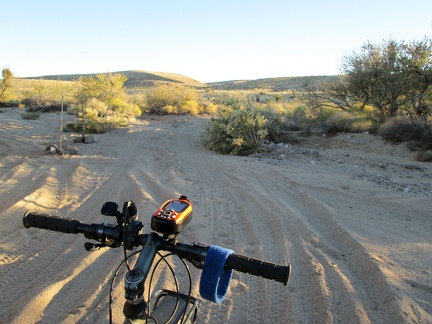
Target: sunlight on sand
(42, 300)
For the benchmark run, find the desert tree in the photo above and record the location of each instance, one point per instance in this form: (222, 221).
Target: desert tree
(103, 87)
(334, 94)
(419, 75)
(5, 83)
(394, 77)
(378, 75)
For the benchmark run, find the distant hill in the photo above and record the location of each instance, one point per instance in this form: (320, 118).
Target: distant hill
(273, 84)
(136, 78)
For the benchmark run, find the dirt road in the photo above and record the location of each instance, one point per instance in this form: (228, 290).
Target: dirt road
(360, 249)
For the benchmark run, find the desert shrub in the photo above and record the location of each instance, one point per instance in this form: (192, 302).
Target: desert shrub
(295, 118)
(322, 114)
(361, 125)
(401, 129)
(168, 109)
(74, 110)
(343, 121)
(421, 145)
(424, 156)
(95, 126)
(239, 132)
(299, 113)
(95, 109)
(46, 95)
(278, 125)
(190, 107)
(234, 99)
(138, 99)
(30, 115)
(210, 108)
(337, 122)
(124, 108)
(183, 98)
(10, 103)
(217, 137)
(47, 107)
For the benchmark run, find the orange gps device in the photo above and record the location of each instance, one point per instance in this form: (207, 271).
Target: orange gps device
(172, 216)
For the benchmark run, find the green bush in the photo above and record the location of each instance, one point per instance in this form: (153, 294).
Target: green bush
(95, 126)
(277, 125)
(238, 132)
(217, 138)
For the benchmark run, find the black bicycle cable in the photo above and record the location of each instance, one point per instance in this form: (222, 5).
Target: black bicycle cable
(112, 283)
(175, 278)
(163, 258)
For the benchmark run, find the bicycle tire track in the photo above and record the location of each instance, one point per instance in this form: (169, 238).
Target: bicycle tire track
(265, 212)
(339, 256)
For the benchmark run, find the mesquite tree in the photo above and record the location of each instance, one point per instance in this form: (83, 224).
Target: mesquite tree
(393, 77)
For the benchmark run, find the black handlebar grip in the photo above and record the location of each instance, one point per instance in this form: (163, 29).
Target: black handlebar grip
(259, 268)
(52, 223)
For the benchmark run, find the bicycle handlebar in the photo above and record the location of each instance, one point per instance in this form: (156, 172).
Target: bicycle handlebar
(194, 253)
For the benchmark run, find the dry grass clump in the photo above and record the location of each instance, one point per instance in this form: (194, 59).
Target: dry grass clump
(402, 129)
(30, 115)
(173, 99)
(344, 121)
(418, 134)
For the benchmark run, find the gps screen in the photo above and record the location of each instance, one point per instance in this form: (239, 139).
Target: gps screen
(177, 206)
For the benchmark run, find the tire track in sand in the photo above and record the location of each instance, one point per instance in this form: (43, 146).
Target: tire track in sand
(352, 287)
(39, 244)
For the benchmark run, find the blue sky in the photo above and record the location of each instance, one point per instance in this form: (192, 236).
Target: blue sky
(205, 40)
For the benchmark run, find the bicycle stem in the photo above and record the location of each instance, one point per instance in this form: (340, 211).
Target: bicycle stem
(134, 279)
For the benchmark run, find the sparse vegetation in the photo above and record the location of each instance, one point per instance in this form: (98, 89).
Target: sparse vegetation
(403, 129)
(254, 111)
(95, 126)
(105, 104)
(343, 121)
(173, 99)
(424, 156)
(30, 115)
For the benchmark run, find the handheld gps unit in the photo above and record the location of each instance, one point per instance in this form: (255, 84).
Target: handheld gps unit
(172, 216)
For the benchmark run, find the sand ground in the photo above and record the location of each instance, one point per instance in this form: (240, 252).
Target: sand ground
(350, 213)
